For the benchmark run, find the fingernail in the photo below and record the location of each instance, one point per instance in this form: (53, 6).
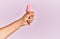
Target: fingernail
(29, 8)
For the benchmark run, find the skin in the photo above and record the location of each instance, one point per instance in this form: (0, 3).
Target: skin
(11, 28)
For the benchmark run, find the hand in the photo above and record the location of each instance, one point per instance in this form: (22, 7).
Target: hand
(28, 18)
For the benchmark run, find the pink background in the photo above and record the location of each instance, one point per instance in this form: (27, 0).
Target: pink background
(47, 18)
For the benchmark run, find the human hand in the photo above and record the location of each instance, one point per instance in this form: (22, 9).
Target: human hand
(29, 16)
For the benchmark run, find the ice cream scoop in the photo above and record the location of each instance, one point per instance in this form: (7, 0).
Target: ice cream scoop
(29, 8)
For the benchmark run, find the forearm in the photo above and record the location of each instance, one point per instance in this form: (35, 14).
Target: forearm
(9, 29)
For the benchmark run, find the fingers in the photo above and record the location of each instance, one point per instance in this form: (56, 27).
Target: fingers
(30, 18)
(29, 14)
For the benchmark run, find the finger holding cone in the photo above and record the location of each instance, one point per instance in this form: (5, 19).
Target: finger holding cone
(30, 14)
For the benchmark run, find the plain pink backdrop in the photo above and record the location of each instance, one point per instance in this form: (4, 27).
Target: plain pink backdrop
(46, 24)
